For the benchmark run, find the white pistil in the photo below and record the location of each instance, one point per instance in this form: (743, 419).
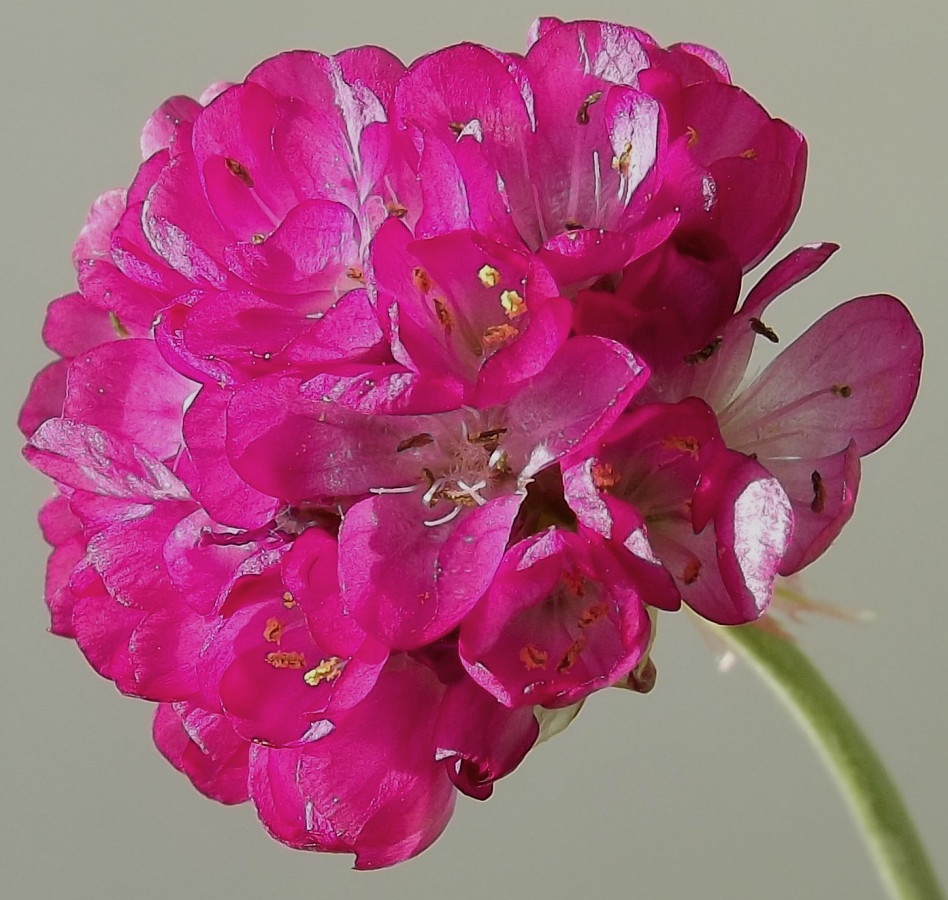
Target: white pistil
(472, 491)
(450, 517)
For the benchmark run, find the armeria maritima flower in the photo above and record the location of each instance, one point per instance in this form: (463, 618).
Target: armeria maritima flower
(395, 403)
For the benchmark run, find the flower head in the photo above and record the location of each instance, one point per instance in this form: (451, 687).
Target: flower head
(395, 404)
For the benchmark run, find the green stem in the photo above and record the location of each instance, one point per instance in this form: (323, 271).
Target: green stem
(875, 802)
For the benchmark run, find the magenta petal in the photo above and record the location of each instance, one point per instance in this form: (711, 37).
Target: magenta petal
(561, 619)
(480, 739)
(203, 746)
(823, 494)
(335, 451)
(853, 375)
(573, 401)
(85, 457)
(45, 399)
(408, 583)
(125, 388)
(310, 250)
(372, 786)
(73, 326)
(753, 529)
(717, 379)
(103, 629)
(161, 127)
(215, 484)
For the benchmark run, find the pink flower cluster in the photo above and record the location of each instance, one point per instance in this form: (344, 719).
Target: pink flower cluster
(394, 402)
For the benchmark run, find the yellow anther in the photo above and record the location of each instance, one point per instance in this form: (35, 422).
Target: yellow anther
(489, 276)
(286, 659)
(514, 305)
(273, 631)
(623, 162)
(328, 670)
(496, 335)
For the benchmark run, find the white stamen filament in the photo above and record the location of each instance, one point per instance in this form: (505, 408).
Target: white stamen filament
(429, 495)
(450, 517)
(409, 489)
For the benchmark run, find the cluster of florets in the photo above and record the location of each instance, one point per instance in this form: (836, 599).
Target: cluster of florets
(396, 402)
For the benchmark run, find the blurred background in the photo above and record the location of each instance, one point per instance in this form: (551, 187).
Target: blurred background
(705, 787)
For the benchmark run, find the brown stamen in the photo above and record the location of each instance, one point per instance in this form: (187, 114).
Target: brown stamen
(496, 335)
(692, 570)
(421, 279)
(687, 445)
(843, 390)
(582, 116)
(443, 314)
(571, 655)
(286, 659)
(533, 657)
(416, 440)
(240, 171)
(766, 331)
(396, 210)
(705, 353)
(592, 614)
(819, 492)
(605, 476)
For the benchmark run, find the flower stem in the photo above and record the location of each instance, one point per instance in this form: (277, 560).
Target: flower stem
(873, 798)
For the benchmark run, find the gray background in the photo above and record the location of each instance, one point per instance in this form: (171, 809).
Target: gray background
(704, 788)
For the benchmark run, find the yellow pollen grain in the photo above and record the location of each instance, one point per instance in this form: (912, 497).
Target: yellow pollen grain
(514, 305)
(257, 238)
(749, 153)
(288, 600)
(356, 273)
(396, 210)
(273, 631)
(488, 276)
(286, 659)
(692, 133)
(328, 670)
